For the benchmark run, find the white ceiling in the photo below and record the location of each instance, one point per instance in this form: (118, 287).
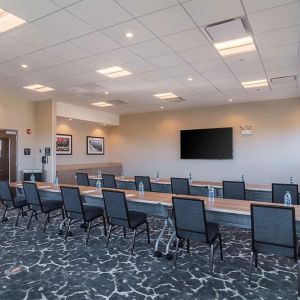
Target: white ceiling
(65, 41)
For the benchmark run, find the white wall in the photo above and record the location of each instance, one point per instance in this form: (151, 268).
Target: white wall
(145, 143)
(79, 131)
(19, 114)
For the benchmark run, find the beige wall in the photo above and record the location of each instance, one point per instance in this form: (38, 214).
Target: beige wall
(80, 130)
(145, 143)
(18, 114)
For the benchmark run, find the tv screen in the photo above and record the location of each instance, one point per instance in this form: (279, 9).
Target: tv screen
(213, 143)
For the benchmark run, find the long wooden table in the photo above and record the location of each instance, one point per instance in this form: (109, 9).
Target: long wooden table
(227, 212)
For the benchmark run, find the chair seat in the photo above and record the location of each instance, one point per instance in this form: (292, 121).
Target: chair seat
(136, 219)
(48, 205)
(91, 212)
(212, 233)
(20, 201)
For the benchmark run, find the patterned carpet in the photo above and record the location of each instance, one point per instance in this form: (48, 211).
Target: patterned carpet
(34, 265)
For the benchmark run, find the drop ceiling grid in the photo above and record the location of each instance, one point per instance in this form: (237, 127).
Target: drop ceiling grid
(121, 47)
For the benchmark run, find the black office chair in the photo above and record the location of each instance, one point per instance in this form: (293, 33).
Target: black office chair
(190, 223)
(82, 179)
(10, 202)
(118, 215)
(109, 181)
(273, 231)
(234, 190)
(40, 206)
(146, 182)
(180, 186)
(279, 190)
(77, 211)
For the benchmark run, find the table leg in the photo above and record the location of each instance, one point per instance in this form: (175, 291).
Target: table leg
(62, 225)
(157, 252)
(172, 238)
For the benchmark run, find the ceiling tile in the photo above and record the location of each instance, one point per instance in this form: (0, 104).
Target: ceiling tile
(96, 42)
(29, 10)
(14, 47)
(256, 5)
(185, 40)
(120, 56)
(64, 3)
(140, 66)
(198, 54)
(140, 33)
(278, 37)
(207, 65)
(205, 12)
(216, 74)
(180, 71)
(167, 61)
(64, 25)
(154, 75)
(143, 7)
(278, 17)
(99, 13)
(149, 49)
(168, 21)
(285, 51)
(35, 36)
(68, 51)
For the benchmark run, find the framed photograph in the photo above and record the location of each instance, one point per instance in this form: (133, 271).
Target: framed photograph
(95, 145)
(63, 144)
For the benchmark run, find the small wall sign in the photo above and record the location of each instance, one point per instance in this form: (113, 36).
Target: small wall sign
(47, 151)
(26, 151)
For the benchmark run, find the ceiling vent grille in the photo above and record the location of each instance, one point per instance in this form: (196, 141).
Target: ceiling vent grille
(175, 100)
(284, 80)
(117, 102)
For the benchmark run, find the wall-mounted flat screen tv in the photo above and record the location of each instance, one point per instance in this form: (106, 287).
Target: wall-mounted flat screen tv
(212, 143)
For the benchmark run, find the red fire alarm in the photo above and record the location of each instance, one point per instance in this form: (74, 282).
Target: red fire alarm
(28, 131)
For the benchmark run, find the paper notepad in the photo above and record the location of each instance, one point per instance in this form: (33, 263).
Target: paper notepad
(129, 195)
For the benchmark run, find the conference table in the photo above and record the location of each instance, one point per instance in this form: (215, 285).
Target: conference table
(228, 212)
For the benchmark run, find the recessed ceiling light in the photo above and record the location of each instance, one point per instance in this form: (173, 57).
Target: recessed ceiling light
(39, 88)
(129, 34)
(102, 104)
(106, 93)
(24, 66)
(104, 124)
(162, 107)
(230, 100)
(255, 83)
(70, 119)
(114, 72)
(164, 96)
(190, 79)
(9, 21)
(236, 46)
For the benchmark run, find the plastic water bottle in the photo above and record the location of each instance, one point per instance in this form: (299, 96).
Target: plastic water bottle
(157, 176)
(291, 180)
(32, 178)
(243, 178)
(141, 188)
(55, 181)
(190, 178)
(211, 193)
(99, 173)
(98, 185)
(287, 199)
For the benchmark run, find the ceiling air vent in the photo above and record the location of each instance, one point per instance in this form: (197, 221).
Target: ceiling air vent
(175, 100)
(117, 102)
(284, 80)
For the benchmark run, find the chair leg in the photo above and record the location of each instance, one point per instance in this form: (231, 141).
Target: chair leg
(22, 211)
(104, 225)
(68, 228)
(4, 214)
(29, 222)
(176, 252)
(188, 245)
(108, 237)
(133, 241)
(148, 232)
(19, 212)
(124, 232)
(251, 266)
(221, 246)
(298, 265)
(256, 259)
(46, 222)
(212, 251)
(36, 216)
(88, 233)
(62, 213)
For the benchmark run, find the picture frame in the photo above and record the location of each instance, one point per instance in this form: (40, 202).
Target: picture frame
(94, 145)
(64, 144)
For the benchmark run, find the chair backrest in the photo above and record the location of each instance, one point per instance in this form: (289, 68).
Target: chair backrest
(115, 205)
(32, 194)
(146, 182)
(109, 181)
(180, 186)
(189, 215)
(274, 229)
(82, 179)
(234, 190)
(72, 199)
(5, 192)
(279, 190)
